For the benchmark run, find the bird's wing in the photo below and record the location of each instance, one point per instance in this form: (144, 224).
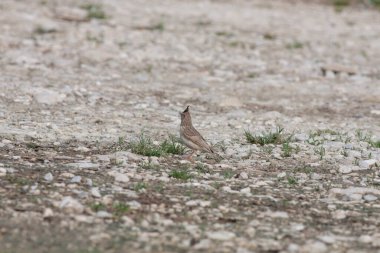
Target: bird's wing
(197, 138)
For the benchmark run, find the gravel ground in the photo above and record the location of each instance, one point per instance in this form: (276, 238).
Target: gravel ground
(82, 81)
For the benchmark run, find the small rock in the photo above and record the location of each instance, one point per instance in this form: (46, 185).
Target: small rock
(281, 175)
(76, 180)
(127, 221)
(246, 190)
(48, 213)
(345, 169)
(48, 97)
(3, 172)
(301, 137)
(220, 235)
(365, 238)
(97, 238)
(48, 177)
(89, 181)
(314, 247)
(367, 164)
(95, 192)
(103, 214)
(202, 244)
(370, 197)
(119, 177)
(339, 214)
(243, 175)
(71, 205)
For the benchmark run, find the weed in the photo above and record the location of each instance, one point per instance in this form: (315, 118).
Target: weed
(172, 146)
(268, 149)
(340, 4)
(294, 45)
(94, 11)
(375, 144)
(180, 174)
(276, 137)
(202, 168)
(287, 150)
(149, 166)
(227, 174)
(269, 36)
(252, 75)
(321, 151)
(139, 186)
(361, 136)
(119, 209)
(42, 30)
(98, 207)
(292, 180)
(304, 169)
(144, 146)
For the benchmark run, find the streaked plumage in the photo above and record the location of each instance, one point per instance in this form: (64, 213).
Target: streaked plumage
(190, 136)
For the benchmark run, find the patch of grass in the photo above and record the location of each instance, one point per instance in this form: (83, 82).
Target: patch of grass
(304, 169)
(119, 209)
(94, 11)
(227, 174)
(201, 168)
(362, 136)
(42, 30)
(269, 36)
(276, 137)
(375, 144)
(288, 150)
(32, 145)
(139, 186)
(268, 149)
(294, 45)
(292, 180)
(223, 33)
(160, 26)
(340, 4)
(375, 3)
(252, 75)
(17, 180)
(145, 146)
(172, 146)
(180, 174)
(148, 166)
(321, 151)
(98, 207)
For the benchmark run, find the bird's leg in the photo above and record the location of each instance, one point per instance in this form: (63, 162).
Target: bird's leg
(190, 157)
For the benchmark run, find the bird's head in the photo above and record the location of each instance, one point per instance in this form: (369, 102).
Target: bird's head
(185, 115)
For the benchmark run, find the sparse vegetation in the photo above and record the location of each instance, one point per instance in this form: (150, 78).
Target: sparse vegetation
(119, 209)
(288, 150)
(320, 151)
(292, 180)
(227, 174)
(180, 174)
(40, 30)
(276, 137)
(294, 45)
(94, 11)
(145, 146)
(139, 186)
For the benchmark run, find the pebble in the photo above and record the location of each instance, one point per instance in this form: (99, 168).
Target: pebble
(71, 205)
(48, 177)
(344, 169)
(367, 164)
(95, 192)
(339, 214)
(119, 177)
(220, 235)
(48, 97)
(76, 180)
(202, 244)
(281, 175)
(313, 247)
(48, 213)
(3, 172)
(103, 214)
(370, 197)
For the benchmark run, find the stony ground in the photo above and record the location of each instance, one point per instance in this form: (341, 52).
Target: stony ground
(82, 81)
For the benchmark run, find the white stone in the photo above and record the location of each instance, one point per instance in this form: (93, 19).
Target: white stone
(48, 213)
(344, 169)
(119, 177)
(76, 179)
(103, 214)
(365, 238)
(95, 192)
(71, 205)
(314, 247)
(281, 175)
(367, 164)
(3, 172)
(202, 244)
(49, 97)
(220, 235)
(246, 190)
(243, 175)
(48, 177)
(339, 214)
(370, 197)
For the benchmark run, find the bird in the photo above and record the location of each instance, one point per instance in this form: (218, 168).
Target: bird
(191, 137)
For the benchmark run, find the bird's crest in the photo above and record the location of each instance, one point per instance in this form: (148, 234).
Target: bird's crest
(187, 109)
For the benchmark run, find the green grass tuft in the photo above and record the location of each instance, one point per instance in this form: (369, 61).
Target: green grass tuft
(94, 11)
(180, 174)
(276, 137)
(172, 146)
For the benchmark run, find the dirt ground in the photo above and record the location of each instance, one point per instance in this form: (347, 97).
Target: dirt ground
(82, 80)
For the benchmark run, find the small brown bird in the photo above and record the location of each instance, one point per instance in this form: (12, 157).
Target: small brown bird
(190, 136)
